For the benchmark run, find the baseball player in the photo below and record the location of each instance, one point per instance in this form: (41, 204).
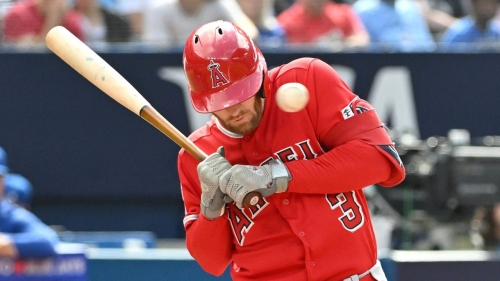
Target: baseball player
(310, 167)
(22, 234)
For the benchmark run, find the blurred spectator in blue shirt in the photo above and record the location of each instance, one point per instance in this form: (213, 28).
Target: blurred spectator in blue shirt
(261, 13)
(22, 234)
(440, 14)
(395, 24)
(477, 27)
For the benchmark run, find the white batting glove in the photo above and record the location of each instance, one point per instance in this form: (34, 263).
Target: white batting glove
(209, 172)
(241, 180)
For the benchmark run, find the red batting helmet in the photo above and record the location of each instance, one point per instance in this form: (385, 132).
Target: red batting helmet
(223, 66)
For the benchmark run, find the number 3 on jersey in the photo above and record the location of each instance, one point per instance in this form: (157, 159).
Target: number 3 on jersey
(352, 216)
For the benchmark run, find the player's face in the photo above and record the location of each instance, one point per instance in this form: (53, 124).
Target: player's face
(242, 118)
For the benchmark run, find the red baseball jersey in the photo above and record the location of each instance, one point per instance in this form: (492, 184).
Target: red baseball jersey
(340, 18)
(320, 228)
(24, 18)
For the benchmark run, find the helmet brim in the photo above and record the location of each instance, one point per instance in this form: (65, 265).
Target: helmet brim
(238, 92)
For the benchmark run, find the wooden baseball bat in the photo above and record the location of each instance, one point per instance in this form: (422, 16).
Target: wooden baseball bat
(98, 72)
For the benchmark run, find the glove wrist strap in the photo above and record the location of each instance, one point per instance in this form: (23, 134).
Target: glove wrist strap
(281, 176)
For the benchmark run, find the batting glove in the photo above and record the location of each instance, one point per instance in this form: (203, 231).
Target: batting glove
(241, 180)
(209, 171)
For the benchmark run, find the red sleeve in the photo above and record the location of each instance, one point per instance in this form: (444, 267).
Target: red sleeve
(72, 22)
(345, 17)
(355, 25)
(351, 166)
(353, 137)
(209, 242)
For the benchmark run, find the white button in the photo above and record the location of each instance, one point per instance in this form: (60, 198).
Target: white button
(286, 201)
(312, 263)
(302, 233)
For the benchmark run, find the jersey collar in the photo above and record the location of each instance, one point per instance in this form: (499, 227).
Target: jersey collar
(225, 131)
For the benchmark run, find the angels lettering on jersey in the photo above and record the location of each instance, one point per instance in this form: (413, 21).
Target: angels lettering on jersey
(350, 212)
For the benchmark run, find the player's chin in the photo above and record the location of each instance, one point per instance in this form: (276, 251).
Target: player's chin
(244, 128)
(241, 130)
(244, 125)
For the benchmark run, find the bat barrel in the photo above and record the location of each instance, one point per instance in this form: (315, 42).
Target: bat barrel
(91, 66)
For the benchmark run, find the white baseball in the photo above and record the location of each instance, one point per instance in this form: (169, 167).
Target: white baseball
(292, 97)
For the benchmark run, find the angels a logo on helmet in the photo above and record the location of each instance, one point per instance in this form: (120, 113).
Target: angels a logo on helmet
(216, 74)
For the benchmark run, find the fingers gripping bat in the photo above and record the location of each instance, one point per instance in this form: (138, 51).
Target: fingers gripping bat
(98, 72)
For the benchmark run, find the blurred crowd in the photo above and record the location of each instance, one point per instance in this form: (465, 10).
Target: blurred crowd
(407, 25)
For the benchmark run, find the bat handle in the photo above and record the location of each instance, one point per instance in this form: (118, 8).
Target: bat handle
(150, 114)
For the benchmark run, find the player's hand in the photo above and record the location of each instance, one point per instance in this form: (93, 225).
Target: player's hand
(241, 180)
(209, 171)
